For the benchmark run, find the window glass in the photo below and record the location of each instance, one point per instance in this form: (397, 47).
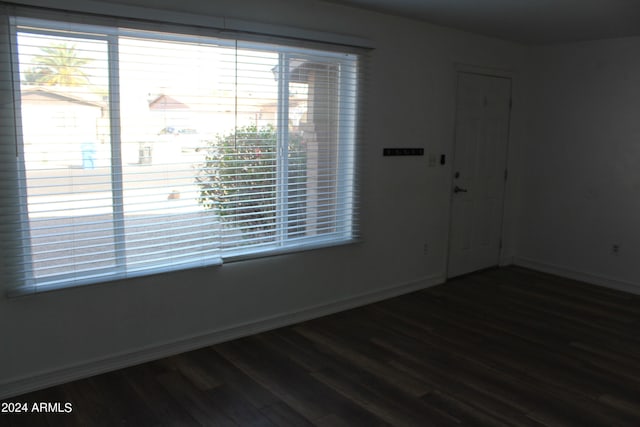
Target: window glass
(143, 151)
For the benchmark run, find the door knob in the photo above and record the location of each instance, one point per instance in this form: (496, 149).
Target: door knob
(457, 189)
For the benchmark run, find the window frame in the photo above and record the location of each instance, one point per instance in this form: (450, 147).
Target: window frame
(347, 166)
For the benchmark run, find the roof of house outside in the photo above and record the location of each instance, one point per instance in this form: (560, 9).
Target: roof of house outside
(165, 102)
(61, 93)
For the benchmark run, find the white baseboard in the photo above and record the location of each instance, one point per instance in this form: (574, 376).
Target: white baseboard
(40, 380)
(593, 279)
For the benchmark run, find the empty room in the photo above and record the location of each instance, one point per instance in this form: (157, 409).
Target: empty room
(319, 213)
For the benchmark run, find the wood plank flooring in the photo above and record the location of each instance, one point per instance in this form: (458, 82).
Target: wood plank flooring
(502, 347)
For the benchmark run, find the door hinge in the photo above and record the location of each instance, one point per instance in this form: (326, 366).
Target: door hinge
(510, 103)
(506, 174)
(500, 244)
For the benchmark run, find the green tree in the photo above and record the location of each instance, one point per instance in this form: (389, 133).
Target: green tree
(58, 65)
(34, 74)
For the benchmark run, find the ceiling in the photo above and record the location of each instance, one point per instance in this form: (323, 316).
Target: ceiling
(527, 21)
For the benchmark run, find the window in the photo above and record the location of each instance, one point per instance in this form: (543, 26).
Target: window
(141, 151)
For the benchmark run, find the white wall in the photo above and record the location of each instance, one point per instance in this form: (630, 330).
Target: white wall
(55, 336)
(581, 175)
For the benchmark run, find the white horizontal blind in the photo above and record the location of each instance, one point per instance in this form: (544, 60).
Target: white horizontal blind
(146, 151)
(285, 176)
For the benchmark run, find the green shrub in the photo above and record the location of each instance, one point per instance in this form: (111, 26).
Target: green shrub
(238, 178)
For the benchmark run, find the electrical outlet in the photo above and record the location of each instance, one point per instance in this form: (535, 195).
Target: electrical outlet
(615, 249)
(425, 248)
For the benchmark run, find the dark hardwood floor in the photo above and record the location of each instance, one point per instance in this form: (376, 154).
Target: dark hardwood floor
(503, 347)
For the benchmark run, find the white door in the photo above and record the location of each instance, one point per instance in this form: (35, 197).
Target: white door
(479, 167)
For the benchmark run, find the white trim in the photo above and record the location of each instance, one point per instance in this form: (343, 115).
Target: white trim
(43, 379)
(68, 282)
(243, 255)
(594, 279)
(207, 21)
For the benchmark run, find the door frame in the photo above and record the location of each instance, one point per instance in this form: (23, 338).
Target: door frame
(504, 231)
